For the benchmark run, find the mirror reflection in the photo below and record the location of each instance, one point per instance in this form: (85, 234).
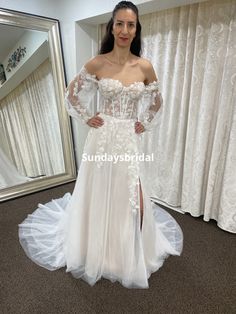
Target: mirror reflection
(30, 141)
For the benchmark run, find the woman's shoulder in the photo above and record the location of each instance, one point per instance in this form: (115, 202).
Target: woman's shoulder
(94, 65)
(145, 64)
(148, 70)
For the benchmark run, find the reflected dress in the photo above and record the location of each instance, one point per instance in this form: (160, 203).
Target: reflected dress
(9, 174)
(95, 232)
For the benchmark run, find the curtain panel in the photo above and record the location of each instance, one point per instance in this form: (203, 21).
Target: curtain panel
(28, 115)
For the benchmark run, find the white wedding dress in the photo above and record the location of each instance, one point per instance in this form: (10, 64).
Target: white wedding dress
(95, 232)
(9, 175)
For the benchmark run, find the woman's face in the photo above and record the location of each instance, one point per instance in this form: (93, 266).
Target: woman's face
(124, 27)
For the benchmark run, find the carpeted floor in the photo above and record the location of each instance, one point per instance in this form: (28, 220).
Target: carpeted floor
(201, 280)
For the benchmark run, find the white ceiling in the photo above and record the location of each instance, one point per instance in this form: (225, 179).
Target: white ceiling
(9, 35)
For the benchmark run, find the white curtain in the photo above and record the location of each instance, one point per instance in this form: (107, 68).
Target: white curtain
(29, 125)
(193, 49)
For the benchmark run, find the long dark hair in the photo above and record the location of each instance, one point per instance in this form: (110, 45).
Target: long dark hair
(108, 40)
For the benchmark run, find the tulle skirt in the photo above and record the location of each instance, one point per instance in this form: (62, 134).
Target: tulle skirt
(98, 231)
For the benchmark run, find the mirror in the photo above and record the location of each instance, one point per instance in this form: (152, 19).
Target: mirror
(36, 147)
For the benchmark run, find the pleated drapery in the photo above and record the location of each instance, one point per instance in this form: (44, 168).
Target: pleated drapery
(29, 125)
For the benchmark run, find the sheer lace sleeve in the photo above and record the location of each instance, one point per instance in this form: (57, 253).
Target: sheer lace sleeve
(151, 106)
(80, 94)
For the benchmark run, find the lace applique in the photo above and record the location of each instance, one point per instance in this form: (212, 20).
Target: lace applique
(118, 138)
(150, 106)
(80, 94)
(119, 101)
(109, 88)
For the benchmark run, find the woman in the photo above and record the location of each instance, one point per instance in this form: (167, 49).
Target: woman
(109, 227)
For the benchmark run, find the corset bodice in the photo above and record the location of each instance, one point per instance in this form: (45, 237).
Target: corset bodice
(118, 100)
(135, 101)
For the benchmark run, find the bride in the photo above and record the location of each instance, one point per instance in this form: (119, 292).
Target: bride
(109, 227)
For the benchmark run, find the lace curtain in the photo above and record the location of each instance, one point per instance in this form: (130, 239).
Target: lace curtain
(193, 51)
(29, 126)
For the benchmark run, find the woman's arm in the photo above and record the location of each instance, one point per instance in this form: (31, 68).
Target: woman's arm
(79, 96)
(152, 99)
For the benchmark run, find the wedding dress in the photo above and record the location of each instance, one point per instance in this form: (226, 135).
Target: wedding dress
(9, 175)
(96, 232)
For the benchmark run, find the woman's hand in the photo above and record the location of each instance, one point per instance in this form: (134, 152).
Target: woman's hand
(95, 121)
(139, 128)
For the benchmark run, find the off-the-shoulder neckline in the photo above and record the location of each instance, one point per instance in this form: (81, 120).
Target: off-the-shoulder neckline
(93, 76)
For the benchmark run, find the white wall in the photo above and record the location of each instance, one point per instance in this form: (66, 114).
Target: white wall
(78, 39)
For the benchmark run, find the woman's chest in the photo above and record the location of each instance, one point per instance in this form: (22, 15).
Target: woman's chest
(112, 88)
